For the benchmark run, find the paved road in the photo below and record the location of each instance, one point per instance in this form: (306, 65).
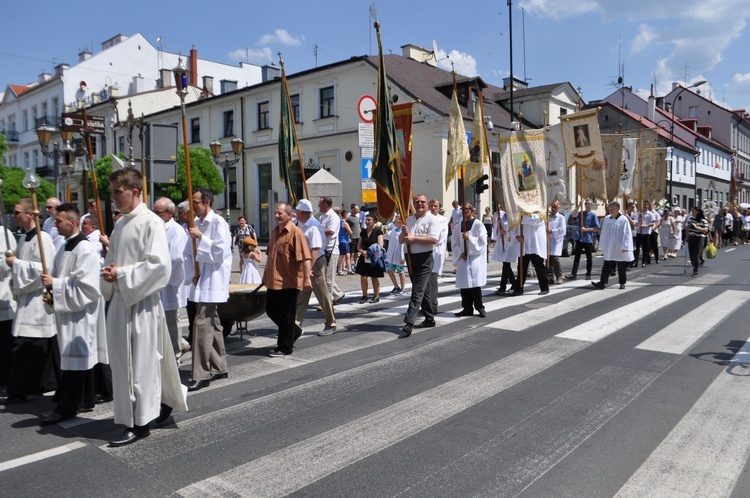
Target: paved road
(639, 392)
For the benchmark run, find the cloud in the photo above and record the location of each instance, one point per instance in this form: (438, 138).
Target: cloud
(559, 9)
(283, 37)
(645, 37)
(257, 56)
(464, 63)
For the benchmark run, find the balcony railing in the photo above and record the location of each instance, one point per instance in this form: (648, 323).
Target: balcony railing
(11, 135)
(53, 121)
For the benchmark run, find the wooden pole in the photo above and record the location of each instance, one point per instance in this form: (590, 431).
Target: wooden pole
(90, 159)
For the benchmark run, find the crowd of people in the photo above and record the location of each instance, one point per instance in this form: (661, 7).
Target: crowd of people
(98, 320)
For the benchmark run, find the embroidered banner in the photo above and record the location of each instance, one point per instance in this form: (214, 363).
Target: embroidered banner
(629, 161)
(583, 148)
(523, 165)
(556, 174)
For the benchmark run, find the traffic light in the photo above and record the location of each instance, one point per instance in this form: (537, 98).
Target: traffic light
(481, 184)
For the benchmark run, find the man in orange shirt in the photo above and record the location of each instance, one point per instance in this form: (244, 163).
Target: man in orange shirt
(287, 272)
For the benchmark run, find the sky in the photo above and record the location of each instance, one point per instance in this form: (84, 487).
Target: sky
(589, 43)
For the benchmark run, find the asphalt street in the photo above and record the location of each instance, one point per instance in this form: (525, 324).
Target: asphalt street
(637, 392)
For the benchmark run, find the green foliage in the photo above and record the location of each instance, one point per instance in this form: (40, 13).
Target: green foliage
(3, 147)
(103, 168)
(203, 173)
(13, 188)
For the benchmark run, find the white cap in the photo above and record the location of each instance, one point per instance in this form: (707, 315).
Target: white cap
(304, 205)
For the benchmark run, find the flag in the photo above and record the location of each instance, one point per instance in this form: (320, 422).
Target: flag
(385, 164)
(555, 170)
(522, 162)
(458, 148)
(402, 119)
(612, 149)
(583, 148)
(629, 162)
(647, 162)
(291, 167)
(479, 155)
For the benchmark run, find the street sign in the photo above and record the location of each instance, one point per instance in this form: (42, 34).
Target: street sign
(368, 185)
(366, 168)
(366, 108)
(368, 152)
(366, 135)
(73, 121)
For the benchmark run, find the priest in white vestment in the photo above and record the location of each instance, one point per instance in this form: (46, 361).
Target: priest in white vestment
(35, 365)
(137, 268)
(616, 242)
(79, 317)
(469, 243)
(7, 307)
(556, 230)
(533, 237)
(507, 250)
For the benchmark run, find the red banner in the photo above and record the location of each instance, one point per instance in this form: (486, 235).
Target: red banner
(402, 116)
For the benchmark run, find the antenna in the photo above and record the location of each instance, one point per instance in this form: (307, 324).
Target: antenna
(373, 17)
(315, 53)
(523, 29)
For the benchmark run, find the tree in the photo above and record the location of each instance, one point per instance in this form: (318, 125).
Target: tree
(203, 173)
(13, 188)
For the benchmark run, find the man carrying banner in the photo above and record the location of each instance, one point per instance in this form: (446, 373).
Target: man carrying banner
(584, 238)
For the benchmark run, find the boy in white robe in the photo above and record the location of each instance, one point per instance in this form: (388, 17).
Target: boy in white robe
(616, 241)
(79, 312)
(137, 268)
(469, 242)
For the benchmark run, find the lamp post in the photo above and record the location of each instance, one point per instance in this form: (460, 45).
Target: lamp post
(237, 145)
(31, 182)
(130, 123)
(671, 138)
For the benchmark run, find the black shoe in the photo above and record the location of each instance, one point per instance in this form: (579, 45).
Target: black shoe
(588, 276)
(425, 324)
(544, 293)
(102, 399)
(55, 418)
(198, 384)
(164, 413)
(598, 285)
(570, 277)
(130, 436)
(406, 331)
(622, 286)
(501, 292)
(276, 353)
(656, 260)
(220, 376)
(517, 292)
(464, 313)
(482, 313)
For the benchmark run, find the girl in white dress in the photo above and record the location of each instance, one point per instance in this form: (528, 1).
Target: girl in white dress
(250, 256)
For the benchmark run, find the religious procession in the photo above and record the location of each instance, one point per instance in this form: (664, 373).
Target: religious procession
(94, 317)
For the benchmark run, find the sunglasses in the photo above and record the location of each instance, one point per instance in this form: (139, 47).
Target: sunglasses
(16, 212)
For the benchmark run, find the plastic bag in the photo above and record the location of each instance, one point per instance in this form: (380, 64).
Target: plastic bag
(710, 250)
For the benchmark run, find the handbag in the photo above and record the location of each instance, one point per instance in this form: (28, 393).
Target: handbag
(710, 250)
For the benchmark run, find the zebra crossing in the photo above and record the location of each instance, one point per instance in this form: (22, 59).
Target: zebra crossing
(524, 402)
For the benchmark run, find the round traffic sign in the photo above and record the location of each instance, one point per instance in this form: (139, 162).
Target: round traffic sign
(366, 108)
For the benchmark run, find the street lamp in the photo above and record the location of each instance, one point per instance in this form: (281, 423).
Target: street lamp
(237, 145)
(671, 136)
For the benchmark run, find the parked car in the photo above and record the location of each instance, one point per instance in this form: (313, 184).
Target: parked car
(569, 242)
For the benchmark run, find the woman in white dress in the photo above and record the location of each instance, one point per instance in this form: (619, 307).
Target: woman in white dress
(666, 232)
(676, 242)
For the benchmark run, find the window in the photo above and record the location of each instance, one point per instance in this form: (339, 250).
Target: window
(34, 117)
(228, 86)
(228, 123)
(121, 145)
(55, 107)
(44, 111)
(326, 102)
(25, 120)
(295, 108)
(26, 163)
(195, 130)
(693, 111)
(35, 160)
(264, 109)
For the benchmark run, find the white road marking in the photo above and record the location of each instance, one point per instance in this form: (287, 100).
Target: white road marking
(680, 335)
(41, 455)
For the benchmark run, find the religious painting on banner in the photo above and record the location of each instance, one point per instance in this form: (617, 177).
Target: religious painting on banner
(479, 154)
(629, 164)
(583, 148)
(555, 170)
(458, 148)
(653, 170)
(402, 118)
(523, 160)
(612, 148)
(646, 142)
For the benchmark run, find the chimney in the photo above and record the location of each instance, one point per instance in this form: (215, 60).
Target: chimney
(193, 67)
(419, 54)
(114, 90)
(165, 78)
(652, 105)
(83, 55)
(138, 84)
(44, 77)
(60, 68)
(208, 85)
(269, 73)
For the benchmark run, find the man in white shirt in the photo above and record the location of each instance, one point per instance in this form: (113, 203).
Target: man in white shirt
(91, 232)
(331, 225)
(556, 232)
(644, 225)
(173, 297)
(315, 237)
(49, 224)
(214, 256)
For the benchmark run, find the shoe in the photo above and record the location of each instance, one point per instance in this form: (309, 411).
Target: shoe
(99, 399)
(425, 324)
(622, 286)
(482, 313)
(363, 300)
(588, 276)
(695, 273)
(517, 292)
(54, 418)
(643, 265)
(570, 277)
(164, 413)
(559, 281)
(130, 436)
(464, 313)
(276, 353)
(319, 308)
(656, 260)
(544, 293)
(702, 261)
(396, 290)
(500, 292)
(198, 384)
(326, 332)
(402, 293)
(220, 376)
(337, 301)
(598, 285)
(406, 331)
(374, 300)
(352, 272)
(185, 349)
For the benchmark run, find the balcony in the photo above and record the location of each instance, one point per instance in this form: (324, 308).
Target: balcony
(11, 135)
(53, 121)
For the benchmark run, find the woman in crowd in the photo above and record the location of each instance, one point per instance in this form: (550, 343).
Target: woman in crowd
(370, 258)
(242, 232)
(697, 235)
(345, 233)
